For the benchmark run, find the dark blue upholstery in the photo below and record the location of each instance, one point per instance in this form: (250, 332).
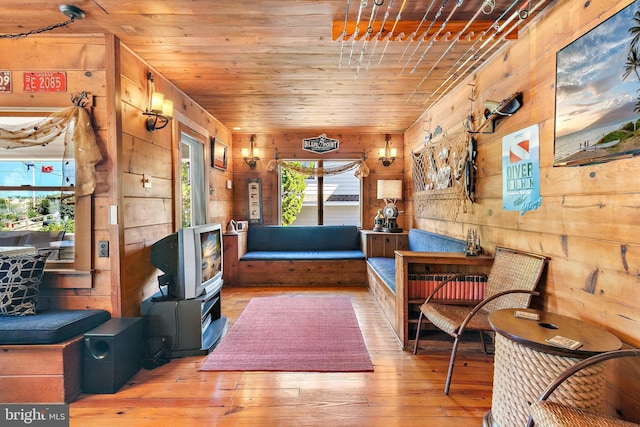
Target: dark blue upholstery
(50, 326)
(301, 255)
(424, 241)
(324, 242)
(308, 238)
(419, 241)
(386, 269)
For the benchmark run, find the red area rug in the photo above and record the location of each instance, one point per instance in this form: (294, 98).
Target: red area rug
(296, 334)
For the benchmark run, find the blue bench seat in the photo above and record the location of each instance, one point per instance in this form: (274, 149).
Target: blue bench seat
(385, 268)
(419, 241)
(381, 277)
(303, 256)
(50, 326)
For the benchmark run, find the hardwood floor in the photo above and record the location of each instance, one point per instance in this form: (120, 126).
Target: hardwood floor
(404, 390)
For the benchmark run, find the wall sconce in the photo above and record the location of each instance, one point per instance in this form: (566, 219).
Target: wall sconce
(252, 154)
(159, 110)
(387, 155)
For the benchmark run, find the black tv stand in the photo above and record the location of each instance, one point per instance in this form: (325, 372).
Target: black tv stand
(190, 327)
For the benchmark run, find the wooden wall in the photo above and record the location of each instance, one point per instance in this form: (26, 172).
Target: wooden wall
(587, 223)
(117, 81)
(289, 146)
(148, 214)
(83, 60)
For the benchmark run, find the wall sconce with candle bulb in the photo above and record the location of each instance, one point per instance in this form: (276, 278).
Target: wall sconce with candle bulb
(387, 154)
(251, 155)
(159, 110)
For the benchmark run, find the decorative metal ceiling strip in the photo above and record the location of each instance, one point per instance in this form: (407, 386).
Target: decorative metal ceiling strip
(503, 35)
(379, 36)
(453, 42)
(494, 26)
(395, 24)
(374, 13)
(426, 33)
(363, 4)
(417, 31)
(433, 39)
(344, 33)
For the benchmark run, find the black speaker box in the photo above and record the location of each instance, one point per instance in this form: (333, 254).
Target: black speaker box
(112, 354)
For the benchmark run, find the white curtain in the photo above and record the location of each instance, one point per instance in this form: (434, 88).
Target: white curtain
(79, 142)
(358, 166)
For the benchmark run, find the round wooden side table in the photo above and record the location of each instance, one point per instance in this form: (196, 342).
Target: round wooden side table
(525, 363)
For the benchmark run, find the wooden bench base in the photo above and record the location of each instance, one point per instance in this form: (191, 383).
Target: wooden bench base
(302, 273)
(41, 373)
(385, 298)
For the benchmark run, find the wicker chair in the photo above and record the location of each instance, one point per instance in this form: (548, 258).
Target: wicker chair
(551, 414)
(511, 282)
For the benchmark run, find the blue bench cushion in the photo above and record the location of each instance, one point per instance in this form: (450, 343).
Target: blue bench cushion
(48, 327)
(307, 238)
(424, 241)
(419, 241)
(386, 269)
(302, 255)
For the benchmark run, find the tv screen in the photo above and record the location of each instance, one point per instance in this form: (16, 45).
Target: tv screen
(191, 259)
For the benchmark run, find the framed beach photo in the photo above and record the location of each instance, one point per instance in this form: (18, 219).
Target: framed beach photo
(597, 112)
(219, 151)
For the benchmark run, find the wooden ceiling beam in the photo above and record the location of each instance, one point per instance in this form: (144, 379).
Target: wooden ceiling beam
(407, 29)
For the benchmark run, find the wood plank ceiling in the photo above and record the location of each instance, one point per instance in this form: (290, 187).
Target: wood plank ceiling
(283, 65)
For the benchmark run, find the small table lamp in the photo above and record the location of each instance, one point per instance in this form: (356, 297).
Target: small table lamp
(390, 191)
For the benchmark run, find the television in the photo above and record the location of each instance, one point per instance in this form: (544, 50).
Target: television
(191, 260)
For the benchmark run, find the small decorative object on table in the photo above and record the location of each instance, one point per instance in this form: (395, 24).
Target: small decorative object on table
(378, 221)
(473, 243)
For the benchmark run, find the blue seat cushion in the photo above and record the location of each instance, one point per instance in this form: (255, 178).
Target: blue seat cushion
(386, 269)
(302, 255)
(307, 238)
(423, 241)
(50, 326)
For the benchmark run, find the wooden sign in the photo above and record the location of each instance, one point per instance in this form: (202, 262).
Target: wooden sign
(320, 144)
(55, 81)
(5, 81)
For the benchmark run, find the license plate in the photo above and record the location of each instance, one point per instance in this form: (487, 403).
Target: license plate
(45, 82)
(5, 81)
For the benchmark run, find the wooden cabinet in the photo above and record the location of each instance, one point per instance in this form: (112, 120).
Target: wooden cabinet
(190, 327)
(234, 246)
(381, 244)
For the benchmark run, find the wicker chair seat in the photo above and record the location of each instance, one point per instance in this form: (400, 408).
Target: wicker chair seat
(551, 414)
(511, 282)
(448, 318)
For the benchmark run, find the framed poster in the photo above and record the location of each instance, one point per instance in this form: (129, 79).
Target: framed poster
(254, 200)
(219, 154)
(521, 170)
(597, 114)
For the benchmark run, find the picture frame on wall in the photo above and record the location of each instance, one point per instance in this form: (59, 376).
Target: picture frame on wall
(597, 114)
(219, 152)
(254, 200)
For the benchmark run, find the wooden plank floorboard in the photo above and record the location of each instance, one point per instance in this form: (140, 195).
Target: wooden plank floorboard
(403, 390)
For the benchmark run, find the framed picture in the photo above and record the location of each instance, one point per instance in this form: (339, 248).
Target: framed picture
(219, 154)
(254, 200)
(598, 93)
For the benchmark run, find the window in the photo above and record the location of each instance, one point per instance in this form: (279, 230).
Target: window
(311, 199)
(38, 205)
(192, 179)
